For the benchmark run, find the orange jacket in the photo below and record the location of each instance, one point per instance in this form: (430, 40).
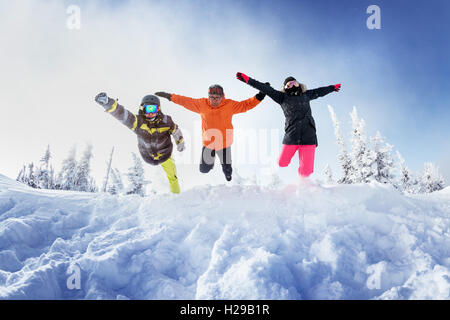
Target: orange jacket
(217, 129)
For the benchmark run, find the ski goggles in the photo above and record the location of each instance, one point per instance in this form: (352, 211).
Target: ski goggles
(215, 91)
(150, 108)
(291, 84)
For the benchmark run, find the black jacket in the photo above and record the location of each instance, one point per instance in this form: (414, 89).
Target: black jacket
(154, 141)
(300, 128)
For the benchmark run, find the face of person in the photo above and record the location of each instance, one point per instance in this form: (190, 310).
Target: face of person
(215, 99)
(291, 84)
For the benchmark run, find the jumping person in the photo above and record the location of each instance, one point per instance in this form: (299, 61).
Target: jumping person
(217, 129)
(300, 128)
(153, 129)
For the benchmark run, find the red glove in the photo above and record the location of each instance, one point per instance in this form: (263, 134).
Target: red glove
(337, 87)
(242, 77)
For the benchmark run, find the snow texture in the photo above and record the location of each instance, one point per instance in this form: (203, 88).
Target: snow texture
(304, 241)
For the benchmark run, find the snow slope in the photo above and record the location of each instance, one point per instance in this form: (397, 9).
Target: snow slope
(309, 241)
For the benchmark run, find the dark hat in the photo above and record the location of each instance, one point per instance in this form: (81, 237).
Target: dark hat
(150, 99)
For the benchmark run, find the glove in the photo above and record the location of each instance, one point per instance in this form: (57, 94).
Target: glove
(166, 95)
(180, 146)
(101, 98)
(242, 77)
(337, 87)
(260, 96)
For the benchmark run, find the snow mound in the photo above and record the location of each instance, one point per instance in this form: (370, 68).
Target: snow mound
(306, 241)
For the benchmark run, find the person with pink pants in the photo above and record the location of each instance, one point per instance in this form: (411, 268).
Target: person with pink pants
(300, 128)
(305, 158)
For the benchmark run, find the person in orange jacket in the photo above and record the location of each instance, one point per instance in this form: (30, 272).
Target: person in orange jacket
(217, 129)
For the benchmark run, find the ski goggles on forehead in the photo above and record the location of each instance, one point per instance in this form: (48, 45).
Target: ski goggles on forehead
(217, 91)
(150, 108)
(291, 84)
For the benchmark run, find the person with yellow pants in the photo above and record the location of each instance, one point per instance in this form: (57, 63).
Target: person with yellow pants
(153, 129)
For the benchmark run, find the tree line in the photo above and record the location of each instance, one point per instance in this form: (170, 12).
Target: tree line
(372, 159)
(75, 174)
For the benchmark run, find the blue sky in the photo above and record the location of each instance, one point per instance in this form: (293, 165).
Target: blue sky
(397, 76)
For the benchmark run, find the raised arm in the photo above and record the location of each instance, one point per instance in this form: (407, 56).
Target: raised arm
(322, 91)
(111, 106)
(276, 95)
(245, 105)
(188, 103)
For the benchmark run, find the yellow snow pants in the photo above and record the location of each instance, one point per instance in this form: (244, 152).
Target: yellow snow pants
(171, 172)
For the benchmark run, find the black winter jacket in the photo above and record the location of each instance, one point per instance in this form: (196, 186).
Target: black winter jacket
(154, 143)
(300, 128)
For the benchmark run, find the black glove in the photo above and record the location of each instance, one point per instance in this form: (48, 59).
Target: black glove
(260, 95)
(166, 95)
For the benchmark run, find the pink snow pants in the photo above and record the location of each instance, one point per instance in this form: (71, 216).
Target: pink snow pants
(305, 154)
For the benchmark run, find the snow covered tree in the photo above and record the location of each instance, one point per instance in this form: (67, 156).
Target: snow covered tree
(116, 184)
(136, 177)
(362, 157)
(328, 174)
(31, 176)
(28, 175)
(67, 175)
(431, 179)
(343, 157)
(384, 163)
(83, 180)
(51, 182)
(108, 170)
(43, 176)
(21, 177)
(406, 183)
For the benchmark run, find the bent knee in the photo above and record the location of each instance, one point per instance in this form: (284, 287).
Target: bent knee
(283, 163)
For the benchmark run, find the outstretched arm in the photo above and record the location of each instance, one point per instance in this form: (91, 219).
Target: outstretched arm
(322, 91)
(188, 103)
(245, 105)
(276, 95)
(111, 106)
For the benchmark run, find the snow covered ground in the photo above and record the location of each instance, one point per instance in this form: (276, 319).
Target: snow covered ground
(306, 241)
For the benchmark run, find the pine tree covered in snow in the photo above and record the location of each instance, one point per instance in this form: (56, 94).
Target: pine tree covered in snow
(83, 179)
(28, 175)
(328, 174)
(431, 179)
(115, 186)
(108, 171)
(21, 177)
(384, 163)
(136, 177)
(343, 156)
(31, 177)
(406, 182)
(44, 177)
(67, 176)
(362, 157)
